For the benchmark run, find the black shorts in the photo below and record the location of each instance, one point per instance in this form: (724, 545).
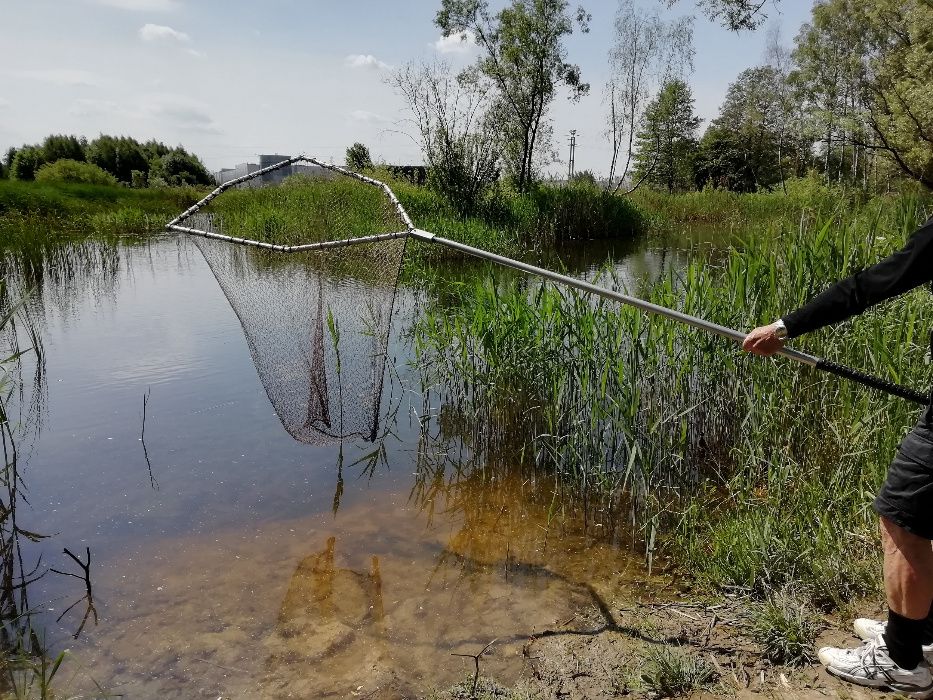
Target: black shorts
(906, 498)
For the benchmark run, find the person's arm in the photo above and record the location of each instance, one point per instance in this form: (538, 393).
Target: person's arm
(895, 275)
(904, 270)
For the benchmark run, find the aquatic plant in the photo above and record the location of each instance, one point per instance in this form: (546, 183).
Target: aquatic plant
(751, 473)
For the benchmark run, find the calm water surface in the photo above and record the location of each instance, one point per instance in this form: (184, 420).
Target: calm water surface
(229, 560)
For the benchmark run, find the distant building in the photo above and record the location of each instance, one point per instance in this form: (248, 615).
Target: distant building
(273, 178)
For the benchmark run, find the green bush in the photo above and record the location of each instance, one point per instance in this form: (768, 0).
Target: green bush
(67, 170)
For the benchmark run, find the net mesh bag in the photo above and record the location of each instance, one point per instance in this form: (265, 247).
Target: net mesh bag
(316, 322)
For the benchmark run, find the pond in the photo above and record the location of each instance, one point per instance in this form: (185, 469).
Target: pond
(228, 559)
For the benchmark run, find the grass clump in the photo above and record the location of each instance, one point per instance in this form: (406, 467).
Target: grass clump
(484, 689)
(786, 629)
(670, 672)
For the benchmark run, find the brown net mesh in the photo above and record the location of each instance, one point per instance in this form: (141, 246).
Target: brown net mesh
(316, 322)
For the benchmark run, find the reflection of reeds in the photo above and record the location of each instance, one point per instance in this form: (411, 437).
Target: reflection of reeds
(26, 668)
(753, 472)
(20, 648)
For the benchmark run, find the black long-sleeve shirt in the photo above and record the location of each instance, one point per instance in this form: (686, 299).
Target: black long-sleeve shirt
(899, 273)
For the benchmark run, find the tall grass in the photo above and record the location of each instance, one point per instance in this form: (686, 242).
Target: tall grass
(304, 210)
(753, 472)
(30, 210)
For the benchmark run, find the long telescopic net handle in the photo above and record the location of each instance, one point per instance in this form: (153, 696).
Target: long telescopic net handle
(730, 333)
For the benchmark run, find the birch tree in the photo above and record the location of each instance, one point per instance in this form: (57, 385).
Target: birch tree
(525, 59)
(646, 52)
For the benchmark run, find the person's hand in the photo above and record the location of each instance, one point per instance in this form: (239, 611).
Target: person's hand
(763, 341)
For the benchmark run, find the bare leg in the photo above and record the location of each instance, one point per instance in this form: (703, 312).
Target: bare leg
(908, 571)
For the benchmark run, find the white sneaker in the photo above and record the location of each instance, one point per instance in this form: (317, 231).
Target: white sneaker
(869, 665)
(867, 629)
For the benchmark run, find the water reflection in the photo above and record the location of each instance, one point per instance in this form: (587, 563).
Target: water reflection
(260, 567)
(24, 654)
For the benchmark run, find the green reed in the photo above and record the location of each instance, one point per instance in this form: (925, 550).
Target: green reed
(31, 211)
(755, 472)
(304, 210)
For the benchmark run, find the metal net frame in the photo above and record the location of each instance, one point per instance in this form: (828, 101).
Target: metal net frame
(175, 224)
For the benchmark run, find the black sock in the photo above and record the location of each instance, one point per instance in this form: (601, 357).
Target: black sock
(903, 639)
(928, 628)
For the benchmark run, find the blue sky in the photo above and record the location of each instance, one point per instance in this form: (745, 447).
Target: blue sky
(232, 79)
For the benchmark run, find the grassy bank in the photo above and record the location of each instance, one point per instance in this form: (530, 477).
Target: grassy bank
(751, 473)
(31, 210)
(305, 210)
(803, 197)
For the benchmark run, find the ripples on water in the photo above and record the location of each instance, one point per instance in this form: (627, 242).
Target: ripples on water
(246, 563)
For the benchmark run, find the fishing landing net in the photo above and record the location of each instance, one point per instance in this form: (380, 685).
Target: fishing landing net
(309, 262)
(311, 265)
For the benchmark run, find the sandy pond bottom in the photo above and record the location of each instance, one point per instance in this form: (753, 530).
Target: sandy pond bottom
(370, 604)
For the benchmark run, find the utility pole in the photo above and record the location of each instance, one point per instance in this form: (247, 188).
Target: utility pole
(573, 151)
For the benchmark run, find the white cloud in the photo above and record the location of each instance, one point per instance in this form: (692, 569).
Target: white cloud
(455, 43)
(195, 53)
(366, 61)
(61, 76)
(361, 115)
(159, 32)
(94, 108)
(182, 112)
(141, 5)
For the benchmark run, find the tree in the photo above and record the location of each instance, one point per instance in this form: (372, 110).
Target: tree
(456, 132)
(155, 149)
(667, 145)
(58, 147)
(524, 58)
(741, 148)
(867, 67)
(646, 52)
(26, 161)
(828, 56)
(179, 168)
(735, 15)
(119, 156)
(898, 75)
(358, 157)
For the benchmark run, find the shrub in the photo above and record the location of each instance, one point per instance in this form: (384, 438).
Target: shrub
(67, 170)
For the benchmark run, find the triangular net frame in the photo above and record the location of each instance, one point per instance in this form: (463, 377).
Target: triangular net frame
(316, 309)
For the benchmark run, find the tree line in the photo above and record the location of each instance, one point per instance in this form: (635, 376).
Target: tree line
(850, 99)
(106, 159)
